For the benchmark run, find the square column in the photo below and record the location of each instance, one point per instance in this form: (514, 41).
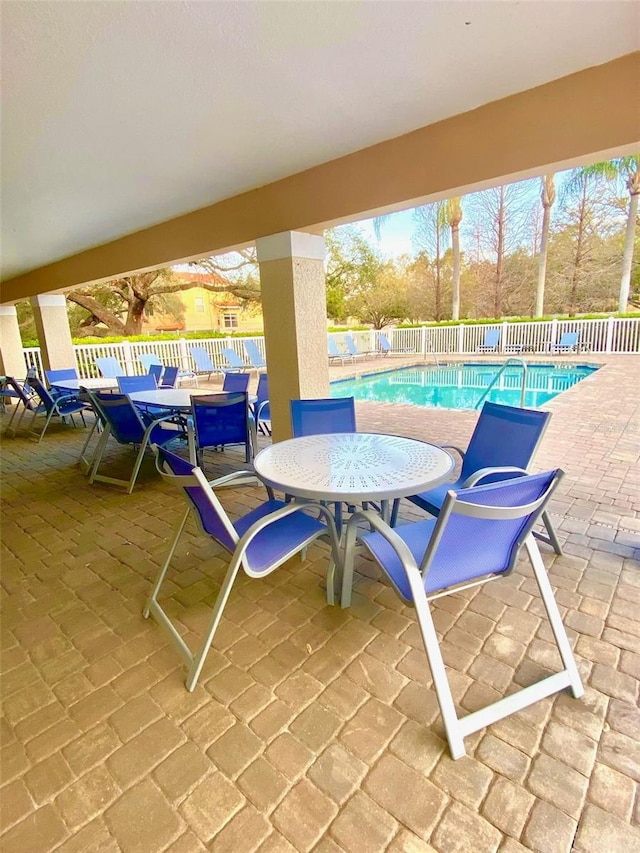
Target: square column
(12, 361)
(54, 334)
(294, 306)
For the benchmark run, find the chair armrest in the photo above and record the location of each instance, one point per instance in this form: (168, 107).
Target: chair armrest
(236, 479)
(475, 478)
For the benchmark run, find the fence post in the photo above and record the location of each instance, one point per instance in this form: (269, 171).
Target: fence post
(503, 336)
(460, 339)
(610, 326)
(184, 355)
(127, 358)
(423, 342)
(554, 334)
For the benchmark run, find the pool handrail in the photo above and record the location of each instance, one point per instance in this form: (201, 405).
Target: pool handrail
(523, 390)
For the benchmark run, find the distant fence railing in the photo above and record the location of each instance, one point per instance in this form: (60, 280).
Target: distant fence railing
(607, 335)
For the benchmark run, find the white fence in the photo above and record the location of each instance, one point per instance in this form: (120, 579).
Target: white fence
(608, 335)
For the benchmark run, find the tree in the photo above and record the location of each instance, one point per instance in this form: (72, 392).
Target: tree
(627, 168)
(431, 236)
(454, 217)
(548, 196)
(132, 295)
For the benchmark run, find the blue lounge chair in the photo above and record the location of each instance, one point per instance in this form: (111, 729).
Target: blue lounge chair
(353, 350)
(110, 367)
(149, 360)
(334, 352)
(476, 538)
(503, 443)
(234, 362)
(384, 346)
(258, 542)
(254, 355)
(491, 341)
(568, 342)
(202, 361)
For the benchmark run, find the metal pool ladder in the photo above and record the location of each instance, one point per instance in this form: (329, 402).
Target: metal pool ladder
(508, 362)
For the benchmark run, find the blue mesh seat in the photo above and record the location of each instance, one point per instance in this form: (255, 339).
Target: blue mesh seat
(169, 376)
(236, 382)
(318, 417)
(491, 341)
(53, 376)
(125, 424)
(63, 405)
(130, 384)
(476, 538)
(504, 442)
(218, 420)
(256, 359)
(155, 370)
(259, 542)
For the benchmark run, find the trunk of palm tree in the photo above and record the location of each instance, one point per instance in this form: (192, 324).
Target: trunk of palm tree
(497, 293)
(548, 197)
(633, 183)
(577, 263)
(454, 213)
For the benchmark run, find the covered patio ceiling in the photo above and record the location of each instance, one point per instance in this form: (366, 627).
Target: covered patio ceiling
(118, 116)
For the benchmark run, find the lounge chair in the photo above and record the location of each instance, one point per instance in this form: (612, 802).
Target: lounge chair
(334, 352)
(256, 359)
(234, 362)
(568, 343)
(202, 361)
(384, 346)
(110, 367)
(353, 350)
(476, 538)
(491, 341)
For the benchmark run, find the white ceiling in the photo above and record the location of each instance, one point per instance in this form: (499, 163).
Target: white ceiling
(119, 115)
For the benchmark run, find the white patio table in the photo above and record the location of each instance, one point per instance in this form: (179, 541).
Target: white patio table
(353, 468)
(177, 399)
(97, 384)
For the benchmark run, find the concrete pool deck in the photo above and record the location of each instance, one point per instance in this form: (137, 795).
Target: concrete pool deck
(315, 728)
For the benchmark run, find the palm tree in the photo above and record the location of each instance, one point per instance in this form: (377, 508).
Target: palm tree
(629, 167)
(548, 196)
(454, 217)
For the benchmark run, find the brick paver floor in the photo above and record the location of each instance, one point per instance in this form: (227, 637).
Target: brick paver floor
(314, 728)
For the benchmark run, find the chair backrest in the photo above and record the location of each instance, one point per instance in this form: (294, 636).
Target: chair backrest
(504, 436)
(262, 393)
(41, 391)
(233, 358)
(568, 339)
(350, 344)
(170, 376)
(129, 384)
(202, 359)
(332, 348)
(149, 359)
(58, 375)
(117, 410)
(383, 342)
(236, 382)
(254, 355)
(480, 530)
(318, 417)
(22, 392)
(199, 495)
(155, 370)
(109, 367)
(220, 419)
(491, 338)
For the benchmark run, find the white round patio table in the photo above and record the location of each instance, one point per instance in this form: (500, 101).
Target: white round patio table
(178, 399)
(95, 384)
(353, 467)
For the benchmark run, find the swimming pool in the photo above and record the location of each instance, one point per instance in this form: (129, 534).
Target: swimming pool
(462, 386)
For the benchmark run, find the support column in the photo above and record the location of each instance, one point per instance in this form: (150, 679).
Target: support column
(54, 334)
(12, 361)
(294, 305)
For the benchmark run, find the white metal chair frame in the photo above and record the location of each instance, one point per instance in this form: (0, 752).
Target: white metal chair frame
(458, 728)
(195, 660)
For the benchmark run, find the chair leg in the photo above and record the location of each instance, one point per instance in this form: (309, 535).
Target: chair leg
(551, 538)
(100, 447)
(163, 571)
(46, 424)
(199, 658)
(136, 467)
(82, 459)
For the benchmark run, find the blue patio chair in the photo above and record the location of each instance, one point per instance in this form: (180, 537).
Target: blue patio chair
(130, 384)
(53, 376)
(124, 422)
(166, 377)
(568, 342)
(110, 367)
(317, 417)
(476, 538)
(353, 350)
(504, 442)
(217, 420)
(491, 341)
(254, 355)
(63, 405)
(259, 542)
(334, 352)
(149, 360)
(26, 401)
(202, 361)
(261, 407)
(155, 370)
(236, 382)
(234, 362)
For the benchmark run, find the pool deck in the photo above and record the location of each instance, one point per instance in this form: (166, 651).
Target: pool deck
(315, 728)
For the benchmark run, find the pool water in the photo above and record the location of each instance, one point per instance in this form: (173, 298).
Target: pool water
(462, 386)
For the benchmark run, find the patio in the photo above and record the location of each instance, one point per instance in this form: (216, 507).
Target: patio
(314, 728)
